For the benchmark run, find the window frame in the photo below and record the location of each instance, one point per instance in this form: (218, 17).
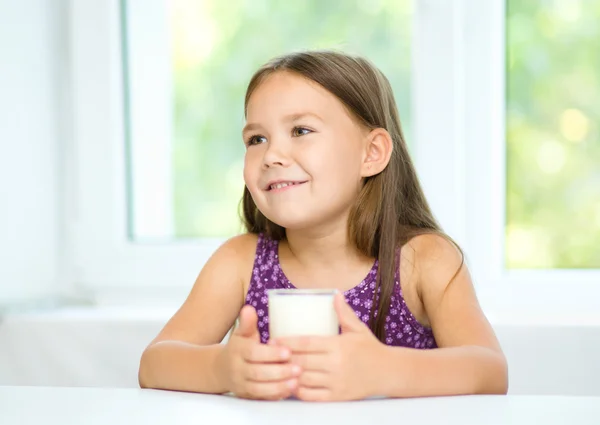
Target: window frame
(104, 261)
(459, 67)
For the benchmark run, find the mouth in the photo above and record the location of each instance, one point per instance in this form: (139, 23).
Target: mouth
(283, 185)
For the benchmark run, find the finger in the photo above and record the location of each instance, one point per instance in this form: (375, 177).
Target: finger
(312, 362)
(248, 323)
(306, 344)
(346, 316)
(271, 372)
(310, 379)
(262, 353)
(271, 390)
(314, 394)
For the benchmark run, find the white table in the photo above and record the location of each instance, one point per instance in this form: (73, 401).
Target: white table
(90, 406)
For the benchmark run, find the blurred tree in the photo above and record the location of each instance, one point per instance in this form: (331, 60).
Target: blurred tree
(553, 136)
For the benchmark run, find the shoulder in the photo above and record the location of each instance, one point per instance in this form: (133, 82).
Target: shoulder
(239, 249)
(239, 245)
(237, 256)
(228, 270)
(430, 248)
(437, 261)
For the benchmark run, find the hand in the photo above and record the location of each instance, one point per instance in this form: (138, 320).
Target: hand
(254, 370)
(339, 367)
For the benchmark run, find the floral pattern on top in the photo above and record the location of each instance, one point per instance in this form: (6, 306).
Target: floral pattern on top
(401, 328)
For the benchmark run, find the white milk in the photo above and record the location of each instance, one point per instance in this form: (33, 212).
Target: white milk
(295, 312)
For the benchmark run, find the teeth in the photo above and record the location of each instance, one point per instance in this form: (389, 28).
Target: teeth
(280, 185)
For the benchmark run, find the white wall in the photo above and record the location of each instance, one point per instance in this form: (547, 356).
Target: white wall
(32, 57)
(552, 359)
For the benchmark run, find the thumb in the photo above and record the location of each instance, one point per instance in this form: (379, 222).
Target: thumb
(247, 327)
(346, 316)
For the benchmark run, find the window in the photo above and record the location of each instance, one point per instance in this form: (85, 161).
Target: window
(494, 154)
(471, 80)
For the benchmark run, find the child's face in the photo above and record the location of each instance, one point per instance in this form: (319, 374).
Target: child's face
(297, 132)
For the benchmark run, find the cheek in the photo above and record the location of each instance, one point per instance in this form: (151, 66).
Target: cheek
(249, 167)
(250, 178)
(347, 171)
(343, 161)
(338, 176)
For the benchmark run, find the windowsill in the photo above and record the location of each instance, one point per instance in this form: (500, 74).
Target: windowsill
(160, 314)
(119, 313)
(549, 318)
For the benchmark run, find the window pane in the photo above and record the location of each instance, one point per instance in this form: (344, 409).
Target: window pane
(216, 46)
(553, 134)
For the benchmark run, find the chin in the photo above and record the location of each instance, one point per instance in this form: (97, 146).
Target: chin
(293, 220)
(290, 223)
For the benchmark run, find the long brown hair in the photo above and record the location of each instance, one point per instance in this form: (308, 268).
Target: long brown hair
(391, 207)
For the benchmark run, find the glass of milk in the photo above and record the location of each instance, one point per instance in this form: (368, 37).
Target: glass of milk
(302, 312)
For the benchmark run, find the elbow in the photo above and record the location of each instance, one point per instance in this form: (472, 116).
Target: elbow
(497, 382)
(141, 380)
(503, 377)
(499, 387)
(143, 370)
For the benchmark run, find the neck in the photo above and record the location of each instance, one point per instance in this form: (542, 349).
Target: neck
(322, 247)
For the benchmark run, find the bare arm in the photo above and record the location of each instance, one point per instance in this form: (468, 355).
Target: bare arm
(176, 365)
(469, 360)
(185, 354)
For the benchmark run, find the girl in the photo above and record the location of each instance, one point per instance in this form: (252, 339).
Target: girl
(331, 200)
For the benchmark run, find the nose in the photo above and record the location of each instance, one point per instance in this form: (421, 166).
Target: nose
(276, 154)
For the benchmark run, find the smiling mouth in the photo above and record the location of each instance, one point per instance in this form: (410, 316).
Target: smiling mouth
(283, 185)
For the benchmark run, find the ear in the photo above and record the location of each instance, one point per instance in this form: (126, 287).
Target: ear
(378, 151)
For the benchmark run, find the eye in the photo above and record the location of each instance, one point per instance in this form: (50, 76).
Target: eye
(255, 140)
(300, 131)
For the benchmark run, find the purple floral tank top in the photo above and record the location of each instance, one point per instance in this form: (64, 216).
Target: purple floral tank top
(401, 327)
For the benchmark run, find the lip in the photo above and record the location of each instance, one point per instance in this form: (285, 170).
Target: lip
(272, 182)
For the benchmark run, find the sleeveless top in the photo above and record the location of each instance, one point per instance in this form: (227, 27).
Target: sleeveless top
(401, 327)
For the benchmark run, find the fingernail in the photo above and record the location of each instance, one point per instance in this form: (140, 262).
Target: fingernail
(296, 370)
(284, 354)
(291, 384)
